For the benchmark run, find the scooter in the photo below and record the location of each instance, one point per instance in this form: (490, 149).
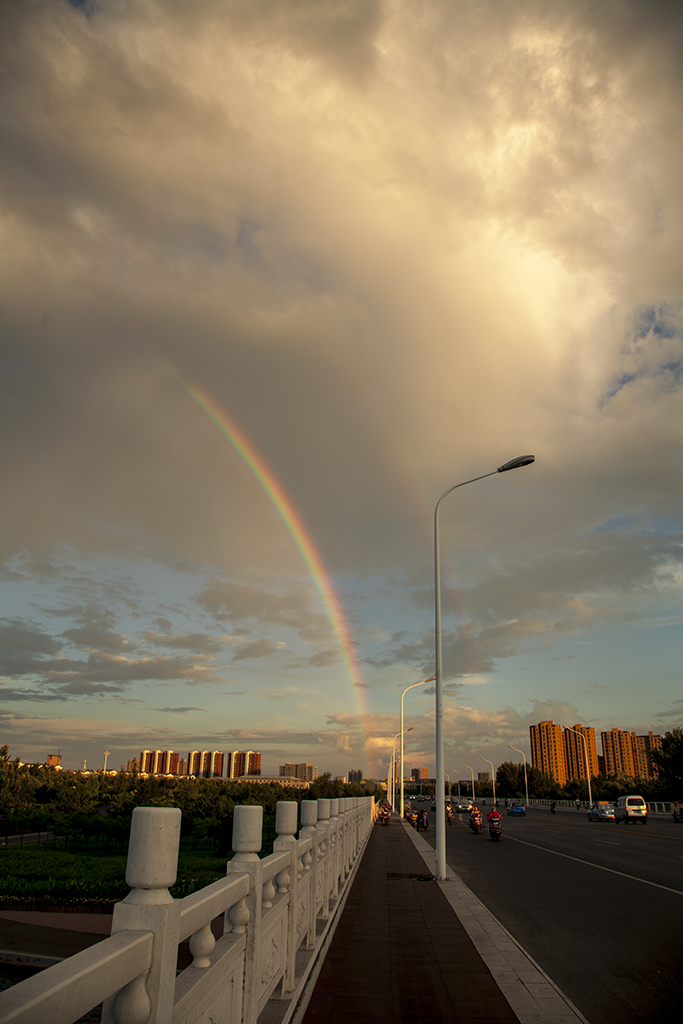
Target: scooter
(494, 829)
(475, 825)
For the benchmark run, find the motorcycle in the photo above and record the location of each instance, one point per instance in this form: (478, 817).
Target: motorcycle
(494, 829)
(475, 825)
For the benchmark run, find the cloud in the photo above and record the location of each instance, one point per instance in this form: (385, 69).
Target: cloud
(256, 649)
(177, 711)
(387, 245)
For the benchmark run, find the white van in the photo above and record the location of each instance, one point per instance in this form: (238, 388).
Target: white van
(630, 808)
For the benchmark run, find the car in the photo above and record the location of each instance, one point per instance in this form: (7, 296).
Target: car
(631, 808)
(464, 805)
(601, 811)
(517, 809)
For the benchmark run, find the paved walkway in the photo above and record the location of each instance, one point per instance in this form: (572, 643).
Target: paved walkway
(399, 952)
(409, 948)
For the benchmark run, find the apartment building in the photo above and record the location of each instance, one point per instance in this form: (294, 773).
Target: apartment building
(547, 750)
(575, 751)
(306, 772)
(242, 762)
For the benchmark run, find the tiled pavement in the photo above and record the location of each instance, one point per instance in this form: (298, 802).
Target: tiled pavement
(399, 952)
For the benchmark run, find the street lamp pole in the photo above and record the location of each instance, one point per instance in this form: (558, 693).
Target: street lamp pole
(472, 770)
(522, 460)
(430, 680)
(493, 777)
(588, 771)
(393, 768)
(526, 784)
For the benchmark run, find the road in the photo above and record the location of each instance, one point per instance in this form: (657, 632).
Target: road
(598, 905)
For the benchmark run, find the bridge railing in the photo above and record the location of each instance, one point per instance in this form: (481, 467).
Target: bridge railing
(277, 914)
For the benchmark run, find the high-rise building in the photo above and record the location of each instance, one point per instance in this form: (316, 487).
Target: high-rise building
(644, 746)
(147, 762)
(53, 761)
(417, 774)
(182, 766)
(617, 749)
(575, 752)
(547, 750)
(194, 763)
(355, 775)
(173, 762)
(306, 772)
(133, 765)
(242, 762)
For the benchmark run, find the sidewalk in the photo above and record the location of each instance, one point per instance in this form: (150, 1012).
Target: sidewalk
(399, 952)
(417, 950)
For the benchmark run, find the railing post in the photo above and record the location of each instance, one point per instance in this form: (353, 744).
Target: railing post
(245, 916)
(288, 881)
(323, 832)
(309, 821)
(336, 846)
(151, 868)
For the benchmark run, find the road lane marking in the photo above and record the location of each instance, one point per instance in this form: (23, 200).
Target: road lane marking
(607, 842)
(590, 864)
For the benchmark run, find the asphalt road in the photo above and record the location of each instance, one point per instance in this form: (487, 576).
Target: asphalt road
(598, 905)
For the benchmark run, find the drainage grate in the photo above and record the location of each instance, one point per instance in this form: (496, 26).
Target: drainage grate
(419, 878)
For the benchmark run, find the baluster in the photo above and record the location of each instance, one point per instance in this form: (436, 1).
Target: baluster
(238, 916)
(268, 894)
(202, 944)
(132, 1005)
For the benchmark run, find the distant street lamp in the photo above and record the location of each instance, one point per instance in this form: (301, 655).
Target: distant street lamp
(493, 778)
(526, 784)
(522, 460)
(588, 771)
(393, 758)
(472, 770)
(430, 680)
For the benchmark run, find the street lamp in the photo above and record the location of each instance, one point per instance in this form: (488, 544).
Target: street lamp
(526, 784)
(472, 770)
(393, 759)
(522, 460)
(449, 784)
(493, 777)
(588, 771)
(430, 680)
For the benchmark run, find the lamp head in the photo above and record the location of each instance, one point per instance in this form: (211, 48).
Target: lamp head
(521, 460)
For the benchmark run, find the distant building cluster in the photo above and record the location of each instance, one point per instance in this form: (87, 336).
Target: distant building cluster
(561, 753)
(418, 774)
(305, 772)
(207, 764)
(355, 775)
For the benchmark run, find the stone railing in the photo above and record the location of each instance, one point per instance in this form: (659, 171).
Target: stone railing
(279, 914)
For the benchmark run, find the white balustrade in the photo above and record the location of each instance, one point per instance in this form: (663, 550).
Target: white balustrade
(273, 909)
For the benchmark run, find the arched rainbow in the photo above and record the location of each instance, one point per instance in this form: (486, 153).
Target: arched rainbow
(295, 526)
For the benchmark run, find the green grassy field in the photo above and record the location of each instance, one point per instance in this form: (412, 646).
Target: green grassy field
(40, 874)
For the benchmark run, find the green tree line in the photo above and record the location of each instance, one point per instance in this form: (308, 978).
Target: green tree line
(80, 810)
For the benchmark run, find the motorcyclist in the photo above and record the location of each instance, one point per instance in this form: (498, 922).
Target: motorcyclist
(494, 815)
(475, 816)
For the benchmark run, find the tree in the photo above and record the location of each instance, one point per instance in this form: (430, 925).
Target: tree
(669, 762)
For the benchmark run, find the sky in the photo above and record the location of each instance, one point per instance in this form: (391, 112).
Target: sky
(276, 275)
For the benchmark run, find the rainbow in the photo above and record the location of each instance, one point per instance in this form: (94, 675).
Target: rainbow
(295, 526)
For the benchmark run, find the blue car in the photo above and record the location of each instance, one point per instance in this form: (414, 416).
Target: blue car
(517, 809)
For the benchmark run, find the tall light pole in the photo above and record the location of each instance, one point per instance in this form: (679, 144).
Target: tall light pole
(526, 784)
(106, 755)
(393, 758)
(522, 460)
(430, 680)
(588, 771)
(472, 770)
(449, 784)
(493, 777)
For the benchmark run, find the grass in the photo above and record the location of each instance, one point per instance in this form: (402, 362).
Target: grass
(39, 874)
